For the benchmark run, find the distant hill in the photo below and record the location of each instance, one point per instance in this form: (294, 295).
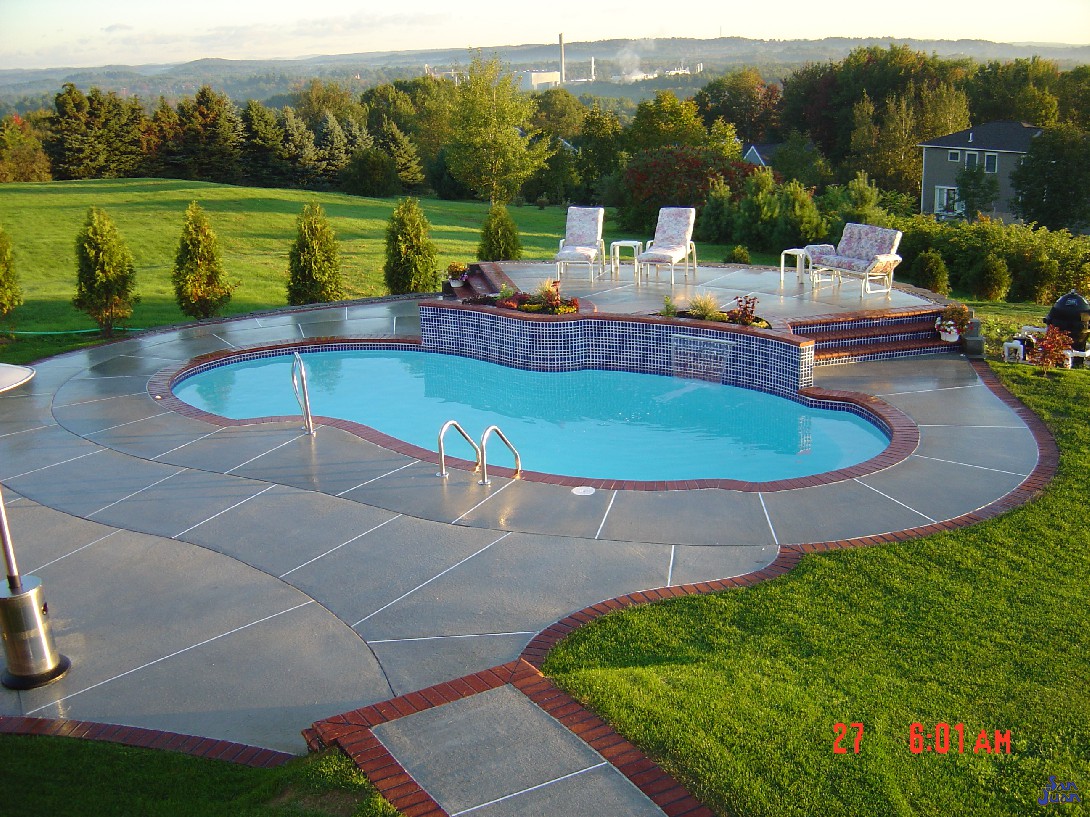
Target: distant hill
(267, 79)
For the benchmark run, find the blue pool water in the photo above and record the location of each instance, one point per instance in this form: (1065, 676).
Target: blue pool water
(594, 424)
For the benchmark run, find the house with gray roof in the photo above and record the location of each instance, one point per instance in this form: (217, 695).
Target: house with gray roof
(997, 146)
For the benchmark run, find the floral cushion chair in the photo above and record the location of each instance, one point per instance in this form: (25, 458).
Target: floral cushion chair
(673, 242)
(865, 252)
(582, 242)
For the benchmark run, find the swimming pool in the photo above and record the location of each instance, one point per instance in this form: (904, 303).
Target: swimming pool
(587, 423)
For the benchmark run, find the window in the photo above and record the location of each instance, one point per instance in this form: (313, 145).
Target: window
(946, 200)
(954, 156)
(991, 162)
(971, 158)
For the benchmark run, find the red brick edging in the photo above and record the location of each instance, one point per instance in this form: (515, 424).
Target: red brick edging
(226, 750)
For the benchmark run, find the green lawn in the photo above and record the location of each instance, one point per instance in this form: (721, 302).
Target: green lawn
(739, 693)
(62, 777)
(255, 227)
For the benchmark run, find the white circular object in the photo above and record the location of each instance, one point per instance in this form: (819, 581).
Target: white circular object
(583, 490)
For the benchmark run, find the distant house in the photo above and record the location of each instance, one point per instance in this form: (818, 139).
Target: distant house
(997, 146)
(761, 155)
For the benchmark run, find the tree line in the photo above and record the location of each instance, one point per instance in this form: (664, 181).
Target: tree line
(483, 137)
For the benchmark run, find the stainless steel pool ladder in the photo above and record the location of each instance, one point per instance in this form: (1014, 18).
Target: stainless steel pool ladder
(299, 383)
(480, 450)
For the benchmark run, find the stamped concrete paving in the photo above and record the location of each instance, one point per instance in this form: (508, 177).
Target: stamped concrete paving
(243, 582)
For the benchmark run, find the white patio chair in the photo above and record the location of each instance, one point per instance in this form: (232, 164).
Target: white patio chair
(582, 242)
(673, 242)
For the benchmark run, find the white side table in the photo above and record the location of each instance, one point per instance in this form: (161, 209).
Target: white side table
(800, 263)
(615, 256)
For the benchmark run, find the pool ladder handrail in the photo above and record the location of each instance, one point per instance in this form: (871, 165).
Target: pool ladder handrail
(302, 395)
(442, 453)
(484, 454)
(480, 450)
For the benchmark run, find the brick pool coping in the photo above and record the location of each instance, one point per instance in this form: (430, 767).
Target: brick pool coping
(904, 436)
(351, 732)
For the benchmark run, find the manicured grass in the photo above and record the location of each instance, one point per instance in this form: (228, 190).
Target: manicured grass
(738, 693)
(255, 227)
(62, 777)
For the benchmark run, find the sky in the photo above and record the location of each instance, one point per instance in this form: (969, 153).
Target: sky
(86, 33)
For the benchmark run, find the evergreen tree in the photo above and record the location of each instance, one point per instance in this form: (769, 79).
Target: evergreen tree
(199, 282)
(404, 153)
(332, 147)
(11, 295)
(162, 142)
(798, 221)
(410, 253)
(314, 263)
(298, 150)
(262, 144)
(499, 236)
(73, 148)
(210, 137)
(106, 276)
(371, 172)
(356, 136)
(798, 158)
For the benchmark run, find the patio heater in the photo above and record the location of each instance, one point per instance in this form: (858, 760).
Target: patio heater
(32, 660)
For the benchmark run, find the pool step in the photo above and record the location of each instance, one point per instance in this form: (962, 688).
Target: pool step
(856, 338)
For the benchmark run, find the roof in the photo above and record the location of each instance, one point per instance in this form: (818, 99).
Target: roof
(764, 153)
(1005, 136)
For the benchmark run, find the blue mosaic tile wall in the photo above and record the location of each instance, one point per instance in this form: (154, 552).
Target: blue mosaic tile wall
(738, 359)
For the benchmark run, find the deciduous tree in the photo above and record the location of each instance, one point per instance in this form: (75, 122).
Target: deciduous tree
(493, 152)
(1053, 183)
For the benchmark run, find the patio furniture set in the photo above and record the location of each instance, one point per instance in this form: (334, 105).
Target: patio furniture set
(865, 252)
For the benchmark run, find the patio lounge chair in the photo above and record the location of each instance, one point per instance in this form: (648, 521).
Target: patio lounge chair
(582, 242)
(673, 242)
(865, 252)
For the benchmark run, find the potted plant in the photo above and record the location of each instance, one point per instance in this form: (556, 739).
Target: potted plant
(952, 322)
(457, 273)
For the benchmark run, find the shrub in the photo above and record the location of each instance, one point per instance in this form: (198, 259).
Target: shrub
(371, 172)
(1049, 350)
(106, 276)
(738, 255)
(991, 278)
(314, 263)
(929, 271)
(798, 221)
(10, 294)
(715, 223)
(705, 307)
(674, 176)
(410, 253)
(200, 287)
(499, 236)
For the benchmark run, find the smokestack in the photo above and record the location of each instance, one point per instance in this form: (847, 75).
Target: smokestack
(562, 77)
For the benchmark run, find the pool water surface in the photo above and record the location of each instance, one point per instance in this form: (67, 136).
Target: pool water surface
(589, 423)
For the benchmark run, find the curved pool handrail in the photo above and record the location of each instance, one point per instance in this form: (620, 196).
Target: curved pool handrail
(302, 395)
(442, 453)
(484, 454)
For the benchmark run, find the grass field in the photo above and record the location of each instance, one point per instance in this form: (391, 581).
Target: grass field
(738, 693)
(255, 228)
(62, 777)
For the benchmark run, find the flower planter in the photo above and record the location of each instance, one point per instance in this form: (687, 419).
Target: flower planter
(456, 282)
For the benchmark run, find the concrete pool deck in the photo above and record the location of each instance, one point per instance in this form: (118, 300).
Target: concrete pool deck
(241, 583)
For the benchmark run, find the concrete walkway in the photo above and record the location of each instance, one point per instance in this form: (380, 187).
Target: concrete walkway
(241, 583)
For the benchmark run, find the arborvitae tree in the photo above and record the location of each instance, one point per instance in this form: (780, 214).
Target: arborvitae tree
(499, 237)
(332, 147)
(106, 276)
(10, 294)
(314, 263)
(410, 253)
(404, 153)
(200, 285)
